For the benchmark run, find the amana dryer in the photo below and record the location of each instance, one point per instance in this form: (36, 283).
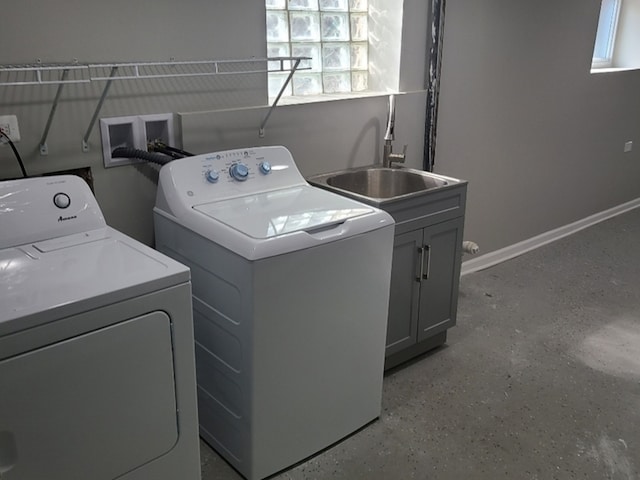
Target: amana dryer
(290, 298)
(97, 375)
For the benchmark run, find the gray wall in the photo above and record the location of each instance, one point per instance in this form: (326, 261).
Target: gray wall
(521, 118)
(120, 30)
(539, 138)
(214, 113)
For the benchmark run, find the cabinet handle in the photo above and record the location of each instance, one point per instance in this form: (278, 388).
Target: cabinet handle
(420, 266)
(426, 249)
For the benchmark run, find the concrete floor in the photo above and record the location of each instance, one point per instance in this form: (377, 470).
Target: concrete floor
(540, 379)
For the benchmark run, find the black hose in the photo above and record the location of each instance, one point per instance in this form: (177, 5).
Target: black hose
(167, 152)
(15, 152)
(159, 146)
(184, 153)
(126, 152)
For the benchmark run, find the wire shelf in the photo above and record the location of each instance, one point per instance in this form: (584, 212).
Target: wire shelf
(43, 74)
(62, 74)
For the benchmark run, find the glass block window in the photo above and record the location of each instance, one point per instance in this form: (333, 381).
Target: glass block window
(333, 32)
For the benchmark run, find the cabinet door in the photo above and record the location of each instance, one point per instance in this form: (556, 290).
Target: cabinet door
(404, 290)
(439, 287)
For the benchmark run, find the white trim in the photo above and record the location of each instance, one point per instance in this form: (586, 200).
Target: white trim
(517, 249)
(598, 63)
(611, 30)
(613, 69)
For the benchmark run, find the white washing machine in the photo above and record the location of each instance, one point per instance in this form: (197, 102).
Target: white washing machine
(290, 298)
(97, 375)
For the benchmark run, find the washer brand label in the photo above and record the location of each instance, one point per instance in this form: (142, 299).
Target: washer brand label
(64, 219)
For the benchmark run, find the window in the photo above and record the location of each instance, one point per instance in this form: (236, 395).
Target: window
(334, 33)
(606, 34)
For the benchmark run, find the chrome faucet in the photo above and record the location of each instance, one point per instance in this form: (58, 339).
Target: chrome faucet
(388, 157)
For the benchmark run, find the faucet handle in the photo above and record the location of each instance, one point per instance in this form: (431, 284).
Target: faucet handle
(398, 157)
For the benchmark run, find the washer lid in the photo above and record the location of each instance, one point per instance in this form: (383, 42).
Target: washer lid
(270, 214)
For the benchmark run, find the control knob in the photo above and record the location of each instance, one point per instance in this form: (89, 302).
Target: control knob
(239, 172)
(61, 200)
(212, 176)
(265, 167)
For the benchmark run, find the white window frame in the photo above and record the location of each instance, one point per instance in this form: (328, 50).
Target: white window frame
(606, 32)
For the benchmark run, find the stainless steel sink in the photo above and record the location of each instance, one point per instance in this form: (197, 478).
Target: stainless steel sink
(378, 185)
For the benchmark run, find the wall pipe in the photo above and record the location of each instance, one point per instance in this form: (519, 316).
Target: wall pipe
(433, 82)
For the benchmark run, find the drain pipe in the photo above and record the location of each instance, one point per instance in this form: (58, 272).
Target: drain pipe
(434, 63)
(470, 247)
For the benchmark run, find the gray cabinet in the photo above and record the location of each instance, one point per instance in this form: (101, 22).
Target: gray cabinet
(424, 280)
(442, 250)
(404, 294)
(427, 254)
(424, 288)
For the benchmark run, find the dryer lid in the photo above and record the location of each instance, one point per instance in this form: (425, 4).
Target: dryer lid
(271, 214)
(45, 281)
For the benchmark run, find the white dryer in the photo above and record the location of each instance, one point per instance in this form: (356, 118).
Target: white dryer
(97, 376)
(290, 298)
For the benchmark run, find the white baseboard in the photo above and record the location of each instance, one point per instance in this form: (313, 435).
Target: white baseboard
(498, 256)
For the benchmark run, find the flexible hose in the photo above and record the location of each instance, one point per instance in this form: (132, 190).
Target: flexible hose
(158, 146)
(15, 152)
(173, 155)
(166, 151)
(177, 150)
(126, 152)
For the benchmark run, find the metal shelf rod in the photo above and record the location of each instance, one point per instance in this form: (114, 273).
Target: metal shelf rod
(37, 70)
(43, 82)
(44, 149)
(173, 75)
(85, 139)
(282, 89)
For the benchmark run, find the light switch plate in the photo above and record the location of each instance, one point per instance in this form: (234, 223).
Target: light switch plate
(9, 125)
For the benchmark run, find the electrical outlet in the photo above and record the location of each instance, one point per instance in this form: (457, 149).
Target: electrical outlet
(628, 146)
(9, 125)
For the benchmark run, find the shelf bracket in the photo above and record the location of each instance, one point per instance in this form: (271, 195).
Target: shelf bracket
(44, 149)
(85, 139)
(282, 89)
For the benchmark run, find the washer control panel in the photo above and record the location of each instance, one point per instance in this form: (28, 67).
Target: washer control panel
(231, 173)
(235, 165)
